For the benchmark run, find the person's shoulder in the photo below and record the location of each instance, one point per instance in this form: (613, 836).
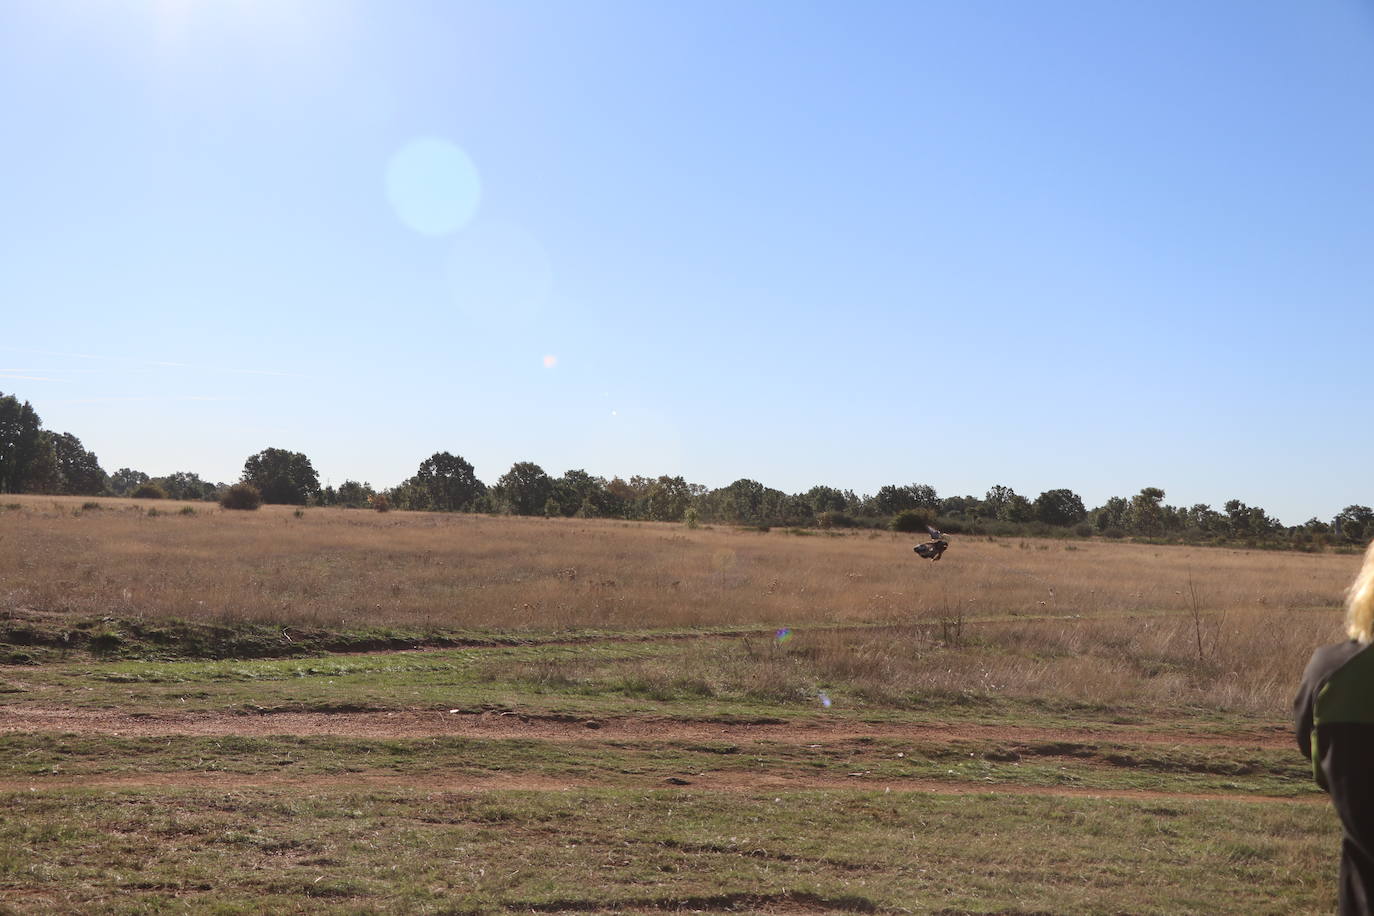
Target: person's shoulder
(1328, 658)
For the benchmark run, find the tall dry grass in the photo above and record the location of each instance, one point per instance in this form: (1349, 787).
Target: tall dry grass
(1251, 663)
(342, 567)
(1093, 621)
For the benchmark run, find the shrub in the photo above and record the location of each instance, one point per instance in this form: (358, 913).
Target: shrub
(241, 496)
(1114, 533)
(188, 510)
(911, 520)
(149, 491)
(691, 517)
(381, 503)
(833, 518)
(91, 507)
(1083, 530)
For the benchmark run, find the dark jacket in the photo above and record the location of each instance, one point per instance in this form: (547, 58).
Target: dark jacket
(1334, 715)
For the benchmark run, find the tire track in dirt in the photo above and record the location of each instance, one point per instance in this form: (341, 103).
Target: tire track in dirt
(509, 725)
(724, 782)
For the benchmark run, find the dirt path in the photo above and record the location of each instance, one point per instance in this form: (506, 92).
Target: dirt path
(707, 782)
(496, 725)
(506, 725)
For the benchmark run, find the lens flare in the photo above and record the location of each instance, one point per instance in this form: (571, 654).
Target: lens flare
(550, 361)
(783, 635)
(825, 699)
(433, 186)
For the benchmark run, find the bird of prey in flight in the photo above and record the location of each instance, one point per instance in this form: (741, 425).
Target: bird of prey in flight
(936, 546)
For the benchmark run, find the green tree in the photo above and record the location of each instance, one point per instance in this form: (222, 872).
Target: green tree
(78, 469)
(827, 499)
(282, 476)
(1356, 522)
(525, 488)
(579, 493)
(1206, 520)
(892, 499)
(667, 499)
(186, 485)
(960, 507)
(996, 501)
(1249, 521)
(19, 443)
(925, 497)
(1111, 514)
(1018, 509)
(125, 480)
(1145, 515)
(620, 498)
(354, 495)
(44, 472)
(743, 502)
(1060, 507)
(448, 483)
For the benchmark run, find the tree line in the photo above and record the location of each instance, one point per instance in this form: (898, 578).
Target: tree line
(35, 460)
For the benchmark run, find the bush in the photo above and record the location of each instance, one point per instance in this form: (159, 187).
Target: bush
(149, 491)
(381, 503)
(950, 525)
(1114, 533)
(833, 518)
(1083, 530)
(691, 518)
(911, 520)
(241, 496)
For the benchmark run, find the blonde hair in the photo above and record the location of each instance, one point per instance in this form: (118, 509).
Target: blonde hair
(1359, 601)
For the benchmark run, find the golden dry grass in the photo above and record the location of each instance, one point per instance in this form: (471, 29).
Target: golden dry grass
(342, 567)
(1078, 620)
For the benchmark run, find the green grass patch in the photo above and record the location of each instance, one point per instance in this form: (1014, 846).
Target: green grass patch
(400, 851)
(960, 764)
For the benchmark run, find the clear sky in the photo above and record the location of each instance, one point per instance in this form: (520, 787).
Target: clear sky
(1055, 244)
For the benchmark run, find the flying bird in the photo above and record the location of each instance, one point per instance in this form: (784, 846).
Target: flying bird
(935, 548)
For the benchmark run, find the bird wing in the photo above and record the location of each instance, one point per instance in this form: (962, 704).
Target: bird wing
(935, 533)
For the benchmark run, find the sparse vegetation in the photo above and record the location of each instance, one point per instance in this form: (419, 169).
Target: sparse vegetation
(824, 706)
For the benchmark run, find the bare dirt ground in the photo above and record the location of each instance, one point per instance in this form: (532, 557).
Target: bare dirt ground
(711, 782)
(506, 725)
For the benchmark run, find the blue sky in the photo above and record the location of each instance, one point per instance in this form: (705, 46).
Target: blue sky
(1056, 244)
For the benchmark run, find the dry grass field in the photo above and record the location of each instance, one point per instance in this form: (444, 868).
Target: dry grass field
(595, 716)
(1224, 627)
(332, 566)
